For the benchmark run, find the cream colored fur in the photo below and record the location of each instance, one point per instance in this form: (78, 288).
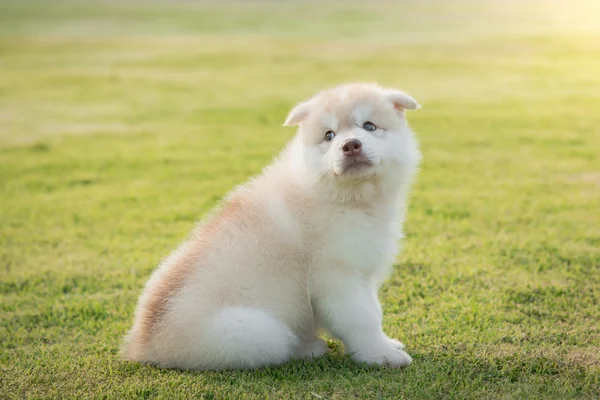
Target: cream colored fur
(299, 249)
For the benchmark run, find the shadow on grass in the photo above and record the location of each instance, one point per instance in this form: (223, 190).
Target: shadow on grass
(432, 375)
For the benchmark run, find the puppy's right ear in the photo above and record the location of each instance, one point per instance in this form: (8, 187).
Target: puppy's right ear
(298, 113)
(401, 100)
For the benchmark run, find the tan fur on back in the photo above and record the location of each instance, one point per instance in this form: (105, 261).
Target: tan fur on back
(151, 311)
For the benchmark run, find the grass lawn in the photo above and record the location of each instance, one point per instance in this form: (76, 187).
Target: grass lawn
(123, 122)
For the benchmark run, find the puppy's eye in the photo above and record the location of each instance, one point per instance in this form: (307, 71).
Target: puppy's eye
(329, 136)
(369, 126)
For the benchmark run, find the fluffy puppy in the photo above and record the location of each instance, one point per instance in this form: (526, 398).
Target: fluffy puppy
(301, 248)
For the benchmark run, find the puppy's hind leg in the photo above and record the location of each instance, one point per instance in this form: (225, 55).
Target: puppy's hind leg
(247, 338)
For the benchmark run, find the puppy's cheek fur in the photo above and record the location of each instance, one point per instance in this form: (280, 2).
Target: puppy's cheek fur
(315, 160)
(396, 147)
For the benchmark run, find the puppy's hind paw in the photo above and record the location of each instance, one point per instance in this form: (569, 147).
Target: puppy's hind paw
(311, 349)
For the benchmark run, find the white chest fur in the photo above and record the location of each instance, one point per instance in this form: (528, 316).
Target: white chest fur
(364, 241)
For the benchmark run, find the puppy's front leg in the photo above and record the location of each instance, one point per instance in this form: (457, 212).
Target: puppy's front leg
(349, 308)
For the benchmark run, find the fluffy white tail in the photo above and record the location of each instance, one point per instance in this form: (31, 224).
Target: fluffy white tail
(247, 338)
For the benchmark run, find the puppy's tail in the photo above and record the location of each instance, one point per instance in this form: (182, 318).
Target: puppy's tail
(249, 338)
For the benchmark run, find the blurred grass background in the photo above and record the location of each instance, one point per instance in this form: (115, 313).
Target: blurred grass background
(122, 123)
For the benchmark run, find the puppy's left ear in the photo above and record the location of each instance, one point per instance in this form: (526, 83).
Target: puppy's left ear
(299, 113)
(401, 100)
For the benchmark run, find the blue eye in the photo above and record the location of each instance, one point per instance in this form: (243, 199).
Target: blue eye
(329, 136)
(369, 126)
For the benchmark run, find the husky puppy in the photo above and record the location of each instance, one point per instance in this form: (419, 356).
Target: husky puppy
(299, 249)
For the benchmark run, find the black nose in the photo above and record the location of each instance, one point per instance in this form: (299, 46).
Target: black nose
(352, 148)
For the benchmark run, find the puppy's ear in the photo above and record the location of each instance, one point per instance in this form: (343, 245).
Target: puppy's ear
(298, 113)
(401, 100)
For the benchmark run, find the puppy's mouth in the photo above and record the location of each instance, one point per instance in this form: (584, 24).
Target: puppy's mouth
(356, 166)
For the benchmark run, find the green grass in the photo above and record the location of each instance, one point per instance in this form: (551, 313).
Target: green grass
(122, 123)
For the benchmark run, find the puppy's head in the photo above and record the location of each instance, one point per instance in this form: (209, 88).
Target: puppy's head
(355, 133)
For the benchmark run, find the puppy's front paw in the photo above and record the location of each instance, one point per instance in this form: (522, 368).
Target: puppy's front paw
(390, 356)
(396, 343)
